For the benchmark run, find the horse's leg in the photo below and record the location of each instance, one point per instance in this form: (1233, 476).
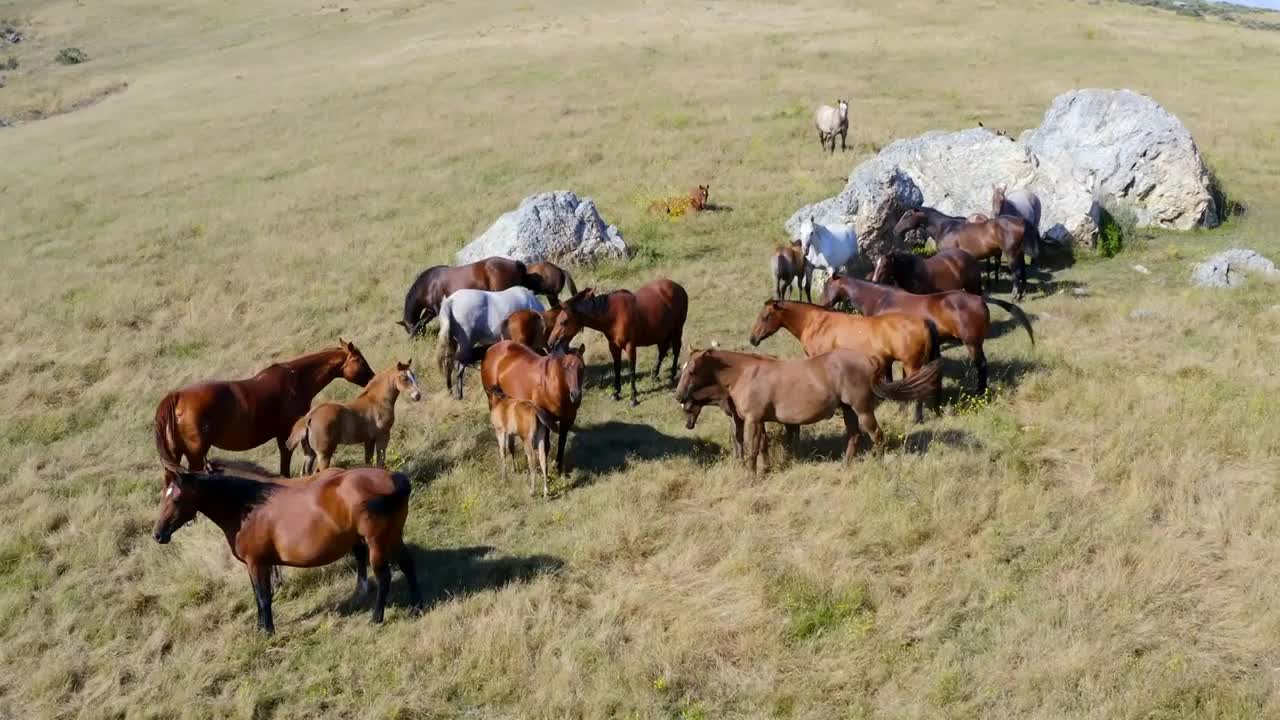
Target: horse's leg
(529, 456)
(405, 560)
(564, 435)
(867, 421)
(843, 134)
(657, 369)
(544, 439)
(1018, 269)
(322, 461)
(368, 451)
(260, 578)
(286, 455)
(791, 438)
(906, 373)
(979, 358)
(361, 553)
(502, 453)
(616, 351)
(461, 368)
(382, 574)
(631, 359)
(675, 358)
(381, 446)
(850, 433)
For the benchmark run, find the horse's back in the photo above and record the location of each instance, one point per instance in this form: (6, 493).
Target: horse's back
(1024, 204)
(662, 307)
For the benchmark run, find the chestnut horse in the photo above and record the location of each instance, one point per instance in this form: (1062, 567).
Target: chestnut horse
(883, 338)
(803, 392)
(1005, 235)
(433, 285)
(551, 280)
(552, 382)
(652, 315)
(958, 315)
(272, 521)
(243, 414)
(526, 327)
(946, 270)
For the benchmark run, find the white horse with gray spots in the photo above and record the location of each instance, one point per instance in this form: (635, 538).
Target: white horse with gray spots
(832, 248)
(470, 321)
(832, 121)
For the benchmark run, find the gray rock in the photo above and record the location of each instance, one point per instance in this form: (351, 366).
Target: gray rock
(872, 201)
(1141, 314)
(553, 226)
(1232, 268)
(1141, 269)
(1140, 155)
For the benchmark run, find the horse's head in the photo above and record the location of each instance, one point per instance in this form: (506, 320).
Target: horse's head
(832, 292)
(568, 322)
(997, 199)
(694, 374)
(768, 322)
(355, 369)
(178, 503)
(701, 196)
(574, 369)
(843, 107)
(407, 380)
(807, 230)
(910, 220)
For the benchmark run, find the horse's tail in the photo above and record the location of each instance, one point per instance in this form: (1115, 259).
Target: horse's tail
(935, 343)
(1031, 240)
(168, 441)
(298, 435)
(1016, 312)
(446, 330)
(919, 386)
(397, 499)
(777, 265)
(568, 281)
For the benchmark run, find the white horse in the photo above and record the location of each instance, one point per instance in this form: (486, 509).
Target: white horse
(828, 247)
(471, 318)
(832, 121)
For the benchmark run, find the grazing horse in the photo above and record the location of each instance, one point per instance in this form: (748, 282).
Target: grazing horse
(652, 315)
(367, 420)
(998, 236)
(945, 270)
(884, 338)
(1019, 203)
(551, 280)
(522, 419)
(713, 395)
(273, 522)
(552, 382)
(788, 264)
(526, 327)
(471, 318)
(802, 392)
(958, 315)
(830, 247)
(433, 285)
(243, 414)
(832, 121)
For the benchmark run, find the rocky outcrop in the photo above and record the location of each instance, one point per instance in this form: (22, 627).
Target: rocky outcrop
(874, 199)
(555, 226)
(1232, 268)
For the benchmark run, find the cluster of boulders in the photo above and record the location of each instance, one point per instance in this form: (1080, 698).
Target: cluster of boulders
(1095, 148)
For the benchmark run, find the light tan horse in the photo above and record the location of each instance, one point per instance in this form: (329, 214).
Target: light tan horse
(512, 418)
(366, 420)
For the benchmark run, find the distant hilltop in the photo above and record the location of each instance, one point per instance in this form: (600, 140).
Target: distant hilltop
(1257, 15)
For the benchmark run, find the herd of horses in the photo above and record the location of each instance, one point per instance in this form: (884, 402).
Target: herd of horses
(490, 315)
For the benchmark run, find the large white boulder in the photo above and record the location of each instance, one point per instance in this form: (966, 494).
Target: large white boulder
(874, 199)
(554, 226)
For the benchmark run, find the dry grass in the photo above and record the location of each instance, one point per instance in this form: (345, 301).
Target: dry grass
(1098, 539)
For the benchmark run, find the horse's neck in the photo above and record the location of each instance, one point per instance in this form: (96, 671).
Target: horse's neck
(865, 295)
(940, 222)
(381, 394)
(600, 317)
(229, 517)
(317, 371)
(796, 318)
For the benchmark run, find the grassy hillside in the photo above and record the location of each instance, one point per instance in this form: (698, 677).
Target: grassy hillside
(1099, 539)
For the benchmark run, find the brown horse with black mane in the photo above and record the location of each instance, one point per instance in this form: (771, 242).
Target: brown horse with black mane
(958, 315)
(943, 271)
(433, 285)
(551, 281)
(271, 521)
(1005, 235)
(802, 392)
(551, 382)
(243, 414)
(652, 315)
(883, 338)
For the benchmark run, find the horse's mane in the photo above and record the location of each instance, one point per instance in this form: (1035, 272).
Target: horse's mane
(596, 304)
(246, 488)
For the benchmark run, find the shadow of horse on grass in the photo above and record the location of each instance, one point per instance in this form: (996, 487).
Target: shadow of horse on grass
(613, 445)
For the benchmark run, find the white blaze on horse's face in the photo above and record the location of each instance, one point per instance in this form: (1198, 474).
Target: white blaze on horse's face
(806, 236)
(843, 107)
(415, 392)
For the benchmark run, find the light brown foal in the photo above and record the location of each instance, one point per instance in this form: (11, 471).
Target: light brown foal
(512, 418)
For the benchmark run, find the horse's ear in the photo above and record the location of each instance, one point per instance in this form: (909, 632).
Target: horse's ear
(402, 365)
(341, 342)
(580, 350)
(408, 363)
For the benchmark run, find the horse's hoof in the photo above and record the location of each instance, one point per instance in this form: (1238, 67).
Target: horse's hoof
(634, 402)
(617, 398)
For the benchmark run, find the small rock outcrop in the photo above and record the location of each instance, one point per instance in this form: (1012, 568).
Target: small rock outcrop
(556, 226)
(874, 199)
(1231, 268)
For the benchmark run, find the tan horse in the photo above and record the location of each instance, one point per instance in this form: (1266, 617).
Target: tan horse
(522, 419)
(366, 420)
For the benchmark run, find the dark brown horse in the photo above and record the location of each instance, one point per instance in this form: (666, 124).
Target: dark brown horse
(802, 392)
(526, 327)
(1005, 235)
(433, 285)
(958, 315)
(883, 338)
(552, 382)
(946, 270)
(551, 281)
(243, 414)
(273, 521)
(652, 315)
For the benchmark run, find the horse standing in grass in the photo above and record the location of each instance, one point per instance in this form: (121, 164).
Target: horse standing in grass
(273, 522)
(958, 315)
(367, 420)
(552, 382)
(1004, 235)
(551, 280)
(833, 248)
(471, 319)
(1019, 203)
(433, 285)
(652, 315)
(788, 265)
(521, 419)
(946, 270)
(243, 414)
(832, 121)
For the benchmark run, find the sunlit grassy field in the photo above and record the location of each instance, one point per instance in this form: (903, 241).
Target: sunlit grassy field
(1097, 540)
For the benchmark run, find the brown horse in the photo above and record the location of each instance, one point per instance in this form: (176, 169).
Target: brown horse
(803, 392)
(1005, 235)
(433, 285)
(883, 338)
(243, 414)
(552, 382)
(521, 419)
(946, 270)
(652, 315)
(789, 264)
(698, 198)
(551, 281)
(270, 522)
(526, 327)
(367, 420)
(958, 315)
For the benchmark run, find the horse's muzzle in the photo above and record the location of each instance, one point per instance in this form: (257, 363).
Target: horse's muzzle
(162, 536)
(755, 341)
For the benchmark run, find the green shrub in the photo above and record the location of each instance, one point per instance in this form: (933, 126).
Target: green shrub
(1116, 227)
(71, 56)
